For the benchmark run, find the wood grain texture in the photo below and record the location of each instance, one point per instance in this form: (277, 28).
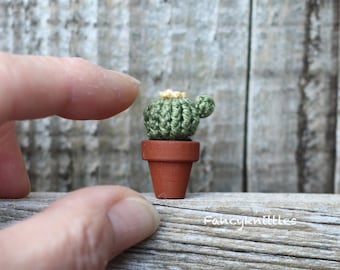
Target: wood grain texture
(271, 66)
(198, 50)
(337, 157)
(315, 153)
(189, 236)
(165, 44)
(292, 96)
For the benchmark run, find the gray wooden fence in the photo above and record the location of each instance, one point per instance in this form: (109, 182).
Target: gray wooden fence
(272, 67)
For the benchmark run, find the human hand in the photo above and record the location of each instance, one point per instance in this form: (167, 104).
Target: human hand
(88, 227)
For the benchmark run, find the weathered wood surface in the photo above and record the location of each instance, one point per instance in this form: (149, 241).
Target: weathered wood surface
(272, 67)
(287, 231)
(292, 96)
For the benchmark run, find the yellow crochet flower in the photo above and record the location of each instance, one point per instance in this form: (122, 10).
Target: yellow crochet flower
(168, 93)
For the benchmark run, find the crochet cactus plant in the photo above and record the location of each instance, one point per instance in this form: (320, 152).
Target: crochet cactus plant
(173, 116)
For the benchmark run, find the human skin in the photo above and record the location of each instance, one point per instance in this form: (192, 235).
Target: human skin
(86, 228)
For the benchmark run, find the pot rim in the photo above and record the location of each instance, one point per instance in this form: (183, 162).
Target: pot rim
(170, 150)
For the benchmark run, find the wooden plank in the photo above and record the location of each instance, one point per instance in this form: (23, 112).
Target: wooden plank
(315, 154)
(62, 155)
(291, 124)
(195, 50)
(203, 48)
(224, 75)
(336, 48)
(281, 231)
(150, 62)
(165, 44)
(21, 17)
(5, 26)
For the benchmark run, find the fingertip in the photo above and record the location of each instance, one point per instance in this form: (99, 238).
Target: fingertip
(125, 76)
(14, 181)
(74, 88)
(105, 92)
(133, 220)
(92, 225)
(18, 190)
(125, 89)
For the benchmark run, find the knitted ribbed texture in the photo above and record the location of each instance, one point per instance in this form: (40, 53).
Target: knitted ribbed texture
(205, 105)
(176, 118)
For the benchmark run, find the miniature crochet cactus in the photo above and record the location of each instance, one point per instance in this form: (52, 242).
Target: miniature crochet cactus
(173, 116)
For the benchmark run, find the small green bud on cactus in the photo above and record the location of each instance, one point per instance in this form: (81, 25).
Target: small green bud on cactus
(173, 116)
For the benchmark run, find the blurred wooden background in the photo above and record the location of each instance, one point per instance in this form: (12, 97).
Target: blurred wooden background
(272, 67)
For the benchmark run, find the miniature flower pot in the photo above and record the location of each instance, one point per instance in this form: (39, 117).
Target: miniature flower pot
(170, 165)
(170, 121)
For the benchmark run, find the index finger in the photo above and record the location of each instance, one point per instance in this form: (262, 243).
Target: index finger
(39, 86)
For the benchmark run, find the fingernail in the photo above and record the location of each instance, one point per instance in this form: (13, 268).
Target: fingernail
(126, 76)
(133, 219)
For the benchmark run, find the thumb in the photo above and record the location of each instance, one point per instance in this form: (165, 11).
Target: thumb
(83, 230)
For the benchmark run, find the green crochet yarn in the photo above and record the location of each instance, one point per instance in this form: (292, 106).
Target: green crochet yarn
(176, 117)
(205, 105)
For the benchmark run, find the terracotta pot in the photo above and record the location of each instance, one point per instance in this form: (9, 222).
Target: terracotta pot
(170, 165)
